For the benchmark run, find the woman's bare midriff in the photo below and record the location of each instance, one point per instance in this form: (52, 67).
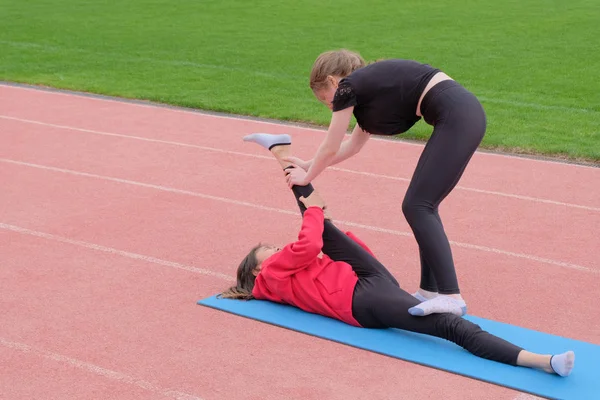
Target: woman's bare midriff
(437, 78)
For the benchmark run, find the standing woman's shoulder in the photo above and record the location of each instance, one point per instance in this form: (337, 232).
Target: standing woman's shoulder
(345, 95)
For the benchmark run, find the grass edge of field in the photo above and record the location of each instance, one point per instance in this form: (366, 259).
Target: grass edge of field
(483, 148)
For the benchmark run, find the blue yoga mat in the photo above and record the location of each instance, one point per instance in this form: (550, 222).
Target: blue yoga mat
(582, 384)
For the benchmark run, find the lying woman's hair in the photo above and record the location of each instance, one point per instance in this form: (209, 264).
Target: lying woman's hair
(245, 278)
(335, 63)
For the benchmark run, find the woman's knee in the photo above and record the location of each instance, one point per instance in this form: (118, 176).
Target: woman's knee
(413, 207)
(457, 329)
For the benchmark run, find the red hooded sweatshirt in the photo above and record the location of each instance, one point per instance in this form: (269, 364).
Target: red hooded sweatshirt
(297, 276)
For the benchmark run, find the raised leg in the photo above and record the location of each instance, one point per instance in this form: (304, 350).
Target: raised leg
(336, 244)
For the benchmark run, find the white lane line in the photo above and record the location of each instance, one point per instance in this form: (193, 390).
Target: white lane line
(281, 124)
(288, 212)
(140, 138)
(110, 250)
(345, 170)
(483, 191)
(97, 370)
(525, 396)
(100, 370)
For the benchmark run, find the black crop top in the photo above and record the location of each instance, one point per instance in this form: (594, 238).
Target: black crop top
(384, 94)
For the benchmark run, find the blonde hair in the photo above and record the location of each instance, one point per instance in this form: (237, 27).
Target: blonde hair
(335, 63)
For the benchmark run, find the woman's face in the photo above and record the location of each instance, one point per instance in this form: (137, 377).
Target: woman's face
(326, 94)
(263, 253)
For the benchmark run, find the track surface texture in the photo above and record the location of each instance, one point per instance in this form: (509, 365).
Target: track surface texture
(116, 217)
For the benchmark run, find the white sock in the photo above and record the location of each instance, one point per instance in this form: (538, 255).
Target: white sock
(438, 305)
(563, 363)
(424, 295)
(419, 297)
(267, 140)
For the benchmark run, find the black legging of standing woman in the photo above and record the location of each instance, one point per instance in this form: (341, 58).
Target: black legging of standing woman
(459, 126)
(379, 302)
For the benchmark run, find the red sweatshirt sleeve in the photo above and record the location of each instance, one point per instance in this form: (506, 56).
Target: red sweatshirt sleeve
(360, 242)
(301, 253)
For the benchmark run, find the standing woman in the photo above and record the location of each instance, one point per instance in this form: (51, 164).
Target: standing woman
(387, 98)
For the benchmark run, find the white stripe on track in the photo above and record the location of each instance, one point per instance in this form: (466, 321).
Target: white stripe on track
(105, 372)
(483, 191)
(140, 138)
(288, 212)
(525, 396)
(97, 370)
(137, 103)
(213, 149)
(111, 250)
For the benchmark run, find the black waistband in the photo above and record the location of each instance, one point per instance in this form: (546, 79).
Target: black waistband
(433, 105)
(434, 91)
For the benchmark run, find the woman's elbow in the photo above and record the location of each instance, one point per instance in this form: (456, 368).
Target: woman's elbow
(355, 149)
(329, 151)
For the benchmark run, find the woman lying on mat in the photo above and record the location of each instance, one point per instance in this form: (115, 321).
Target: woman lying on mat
(349, 284)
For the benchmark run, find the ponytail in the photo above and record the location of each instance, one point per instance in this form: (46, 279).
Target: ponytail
(245, 278)
(236, 293)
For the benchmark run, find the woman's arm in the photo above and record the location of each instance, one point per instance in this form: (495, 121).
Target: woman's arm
(351, 146)
(327, 150)
(347, 149)
(300, 254)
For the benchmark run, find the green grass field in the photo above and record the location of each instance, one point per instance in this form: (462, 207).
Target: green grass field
(533, 63)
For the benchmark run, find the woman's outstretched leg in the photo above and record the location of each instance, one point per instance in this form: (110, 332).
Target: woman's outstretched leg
(280, 147)
(377, 304)
(336, 244)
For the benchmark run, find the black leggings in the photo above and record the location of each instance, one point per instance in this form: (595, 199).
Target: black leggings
(459, 126)
(379, 302)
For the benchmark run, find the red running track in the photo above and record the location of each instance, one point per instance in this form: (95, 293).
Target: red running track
(116, 217)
